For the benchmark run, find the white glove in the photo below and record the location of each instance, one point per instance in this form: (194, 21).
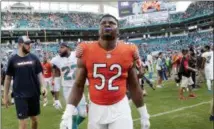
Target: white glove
(57, 105)
(145, 124)
(66, 122)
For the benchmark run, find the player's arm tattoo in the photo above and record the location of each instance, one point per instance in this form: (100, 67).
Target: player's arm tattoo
(134, 88)
(7, 84)
(78, 87)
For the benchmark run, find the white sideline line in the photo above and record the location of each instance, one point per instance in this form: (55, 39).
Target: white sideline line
(176, 110)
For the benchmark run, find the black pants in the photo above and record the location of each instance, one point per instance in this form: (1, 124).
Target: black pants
(193, 79)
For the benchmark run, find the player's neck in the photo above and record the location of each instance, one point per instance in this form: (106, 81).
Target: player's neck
(108, 45)
(69, 53)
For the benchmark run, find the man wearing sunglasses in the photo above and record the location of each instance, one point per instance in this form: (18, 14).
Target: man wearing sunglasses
(26, 71)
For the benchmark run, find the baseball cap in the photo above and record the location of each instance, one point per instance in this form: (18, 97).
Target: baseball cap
(24, 39)
(64, 44)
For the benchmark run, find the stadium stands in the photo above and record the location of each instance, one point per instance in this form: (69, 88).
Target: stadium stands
(77, 20)
(174, 43)
(50, 20)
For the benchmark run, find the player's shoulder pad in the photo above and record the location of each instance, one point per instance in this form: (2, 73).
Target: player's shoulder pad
(82, 47)
(133, 48)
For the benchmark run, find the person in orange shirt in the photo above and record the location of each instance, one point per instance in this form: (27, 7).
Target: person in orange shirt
(176, 59)
(47, 74)
(108, 72)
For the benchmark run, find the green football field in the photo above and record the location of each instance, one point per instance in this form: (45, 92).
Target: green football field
(166, 110)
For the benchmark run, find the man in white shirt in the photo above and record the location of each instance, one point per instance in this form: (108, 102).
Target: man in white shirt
(150, 66)
(208, 66)
(159, 70)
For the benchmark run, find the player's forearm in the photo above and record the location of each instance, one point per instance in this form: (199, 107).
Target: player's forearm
(7, 85)
(76, 95)
(137, 96)
(135, 89)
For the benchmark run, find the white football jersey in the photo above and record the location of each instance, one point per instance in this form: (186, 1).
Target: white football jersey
(209, 59)
(67, 68)
(149, 58)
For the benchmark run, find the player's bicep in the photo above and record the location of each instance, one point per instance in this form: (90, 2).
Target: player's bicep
(81, 73)
(132, 78)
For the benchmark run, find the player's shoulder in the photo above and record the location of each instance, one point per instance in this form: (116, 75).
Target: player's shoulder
(54, 59)
(204, 54)
(127, 45)
(34, 56)
(13, 58)
(85, 46)
(72, 55)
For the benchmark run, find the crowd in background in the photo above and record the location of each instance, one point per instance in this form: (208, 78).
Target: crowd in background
(195, 9)
(174, 43)
(77, 20)
(50, 20)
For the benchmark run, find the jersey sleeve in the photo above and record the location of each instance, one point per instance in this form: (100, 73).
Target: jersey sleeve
(204, 55)
(10, 68)
(136, 55)
(80, 51)
(54, 62)
(38, 66)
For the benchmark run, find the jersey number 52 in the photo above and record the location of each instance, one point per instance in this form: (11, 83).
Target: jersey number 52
(102, 77)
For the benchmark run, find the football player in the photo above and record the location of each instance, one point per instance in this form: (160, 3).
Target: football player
(47, 74)
(66, 61)
(208, 66)
(108, 64)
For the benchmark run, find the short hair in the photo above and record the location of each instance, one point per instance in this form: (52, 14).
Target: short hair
(109, 15)
(159, 53)
(184, 51)
(207, 47)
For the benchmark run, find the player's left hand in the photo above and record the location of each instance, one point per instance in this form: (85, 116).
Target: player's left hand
(145, 124)
(67, 117)
(66, 122)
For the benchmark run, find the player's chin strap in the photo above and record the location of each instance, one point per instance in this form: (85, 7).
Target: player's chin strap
(143, 112)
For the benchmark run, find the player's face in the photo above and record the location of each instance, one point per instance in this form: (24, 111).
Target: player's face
(63, 51)
(26, 47)
(108, 28)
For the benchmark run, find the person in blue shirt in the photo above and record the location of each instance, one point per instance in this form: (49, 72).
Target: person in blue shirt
(26, 71)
